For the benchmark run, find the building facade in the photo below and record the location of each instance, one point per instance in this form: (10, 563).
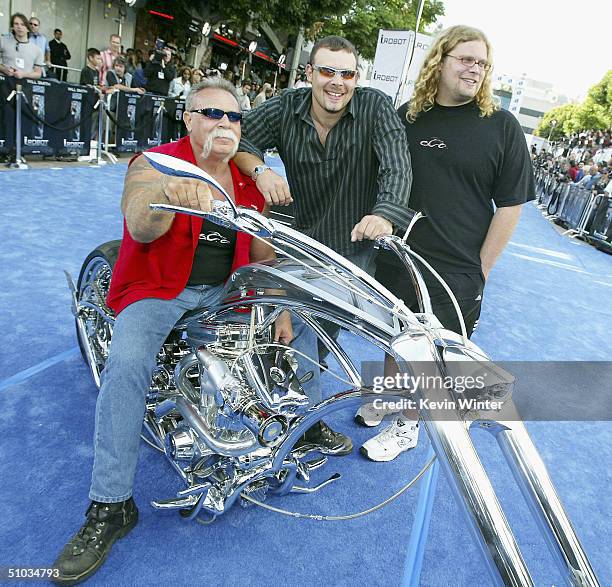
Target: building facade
(526, 98)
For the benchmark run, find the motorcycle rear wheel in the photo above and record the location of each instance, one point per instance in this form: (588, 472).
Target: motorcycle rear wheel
(92, 288)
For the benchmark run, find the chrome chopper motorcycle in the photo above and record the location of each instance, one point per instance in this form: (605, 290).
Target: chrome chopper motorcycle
(226, 405)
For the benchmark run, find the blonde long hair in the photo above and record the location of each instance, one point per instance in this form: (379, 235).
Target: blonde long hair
(426, 85)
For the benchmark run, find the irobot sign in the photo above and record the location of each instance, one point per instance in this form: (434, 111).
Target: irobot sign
(390, 72)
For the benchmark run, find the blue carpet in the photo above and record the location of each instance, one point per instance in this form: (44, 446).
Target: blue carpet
(547, 299)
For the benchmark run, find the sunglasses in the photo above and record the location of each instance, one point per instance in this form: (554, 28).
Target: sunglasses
(331, 72)
(218, 114)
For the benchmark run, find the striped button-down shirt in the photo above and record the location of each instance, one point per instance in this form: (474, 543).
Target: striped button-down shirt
(364, 167)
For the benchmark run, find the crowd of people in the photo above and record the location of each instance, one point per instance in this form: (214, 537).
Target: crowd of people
(27, 53)
(584, 158)
(163, 73)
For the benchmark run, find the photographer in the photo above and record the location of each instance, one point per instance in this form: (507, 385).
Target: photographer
(159, 72)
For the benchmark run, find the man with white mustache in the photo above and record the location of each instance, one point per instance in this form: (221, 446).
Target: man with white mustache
(168, 264)
(219, 133)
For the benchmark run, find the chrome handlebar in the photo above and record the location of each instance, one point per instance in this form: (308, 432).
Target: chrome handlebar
(226, 213)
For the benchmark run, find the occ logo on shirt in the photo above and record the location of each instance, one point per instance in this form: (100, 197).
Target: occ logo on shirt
(433, 143)
(214, 237)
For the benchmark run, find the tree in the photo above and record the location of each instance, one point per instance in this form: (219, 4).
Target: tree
(561, 114)
(286, 15)
(594, 113)
(601, 95)
(360, 24)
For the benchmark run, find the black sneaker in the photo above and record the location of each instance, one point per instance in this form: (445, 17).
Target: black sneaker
(326, 440)
(89, 547)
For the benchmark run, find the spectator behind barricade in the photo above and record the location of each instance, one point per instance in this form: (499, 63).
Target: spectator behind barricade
(599, 187)
(180, 86)
(140, 61)
(265, 94)
(59, 55)
(596, 173)
(581, 172)
(39, 39)
(139, 79)
(608, 188)
(131, 64)
(302, 82)
(90, 74)
(118, 79)
(159, 72)
(196, 76)
(255, 88)
(573, 170)
(604, 153)
(19, 57)
(109, 55)
(243, 95)
(588, 175)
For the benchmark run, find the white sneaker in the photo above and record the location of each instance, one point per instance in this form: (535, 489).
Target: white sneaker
(367, 415)
(400, 436)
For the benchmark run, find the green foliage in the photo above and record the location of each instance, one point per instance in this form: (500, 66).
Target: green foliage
(360, 24)
(357, 20)
(601, 95)
(594, 113)
(288, 15)
(562, 115)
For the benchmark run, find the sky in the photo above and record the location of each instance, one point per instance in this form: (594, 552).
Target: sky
(565, 43)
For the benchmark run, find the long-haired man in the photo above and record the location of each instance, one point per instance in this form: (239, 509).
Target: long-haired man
(471, 174)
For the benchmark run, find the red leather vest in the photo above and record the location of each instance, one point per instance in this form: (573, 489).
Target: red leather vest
(161, 269)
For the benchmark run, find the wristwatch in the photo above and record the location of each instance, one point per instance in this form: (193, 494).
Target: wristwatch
(258, 171)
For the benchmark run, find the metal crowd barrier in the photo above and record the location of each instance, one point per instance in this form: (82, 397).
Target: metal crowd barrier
(600, 234)
(566, 203)
(52, 118)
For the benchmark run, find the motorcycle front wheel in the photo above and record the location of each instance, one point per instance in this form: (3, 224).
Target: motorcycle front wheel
(94, 322)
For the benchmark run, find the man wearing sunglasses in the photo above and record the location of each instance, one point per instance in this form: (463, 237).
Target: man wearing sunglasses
(19, 57)
(168, 264)
(344, 151)
(345, 155)
(40, 40)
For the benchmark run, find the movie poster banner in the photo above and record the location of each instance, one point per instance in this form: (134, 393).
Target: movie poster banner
(149, 134)
(396, 65)
(73, 132)
(174, 127)
(139, 122)
(55, 117)
(391, 56)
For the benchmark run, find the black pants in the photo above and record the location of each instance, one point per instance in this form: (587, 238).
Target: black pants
(467, 287)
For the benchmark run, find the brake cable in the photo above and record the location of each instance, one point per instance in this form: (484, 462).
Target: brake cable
(322, 518)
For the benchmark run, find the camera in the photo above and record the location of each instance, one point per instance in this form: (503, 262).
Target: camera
(159, 54)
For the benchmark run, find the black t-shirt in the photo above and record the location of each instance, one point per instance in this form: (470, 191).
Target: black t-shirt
(89, 77)
(213, 256)
(462, 164)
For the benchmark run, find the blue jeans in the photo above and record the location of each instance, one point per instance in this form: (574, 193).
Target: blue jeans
(139, 332)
